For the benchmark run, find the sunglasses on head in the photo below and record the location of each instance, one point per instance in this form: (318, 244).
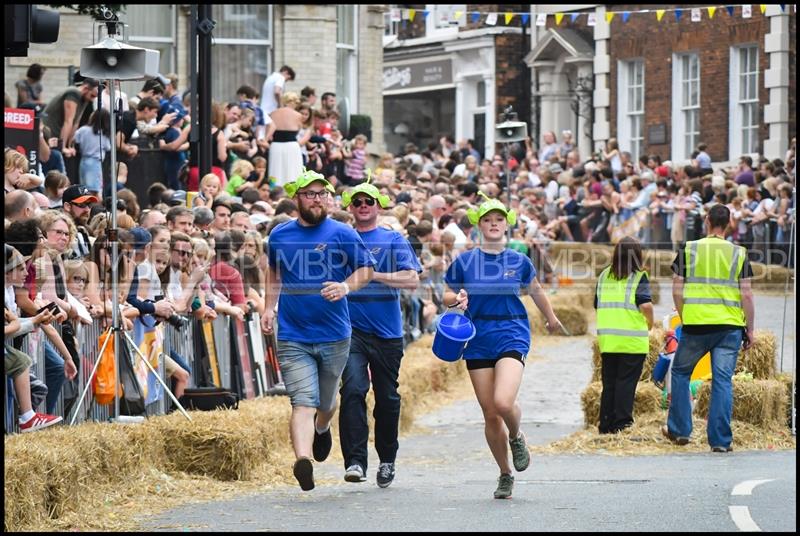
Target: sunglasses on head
(369, 201)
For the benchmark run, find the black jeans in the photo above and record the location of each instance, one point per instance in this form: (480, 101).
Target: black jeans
(620, 374)
(383, 357)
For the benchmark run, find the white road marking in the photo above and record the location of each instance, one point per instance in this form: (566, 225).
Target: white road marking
(746, 487)
(741, 516)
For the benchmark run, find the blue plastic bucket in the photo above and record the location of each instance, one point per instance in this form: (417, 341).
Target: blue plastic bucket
(453, 332)
(661, 367)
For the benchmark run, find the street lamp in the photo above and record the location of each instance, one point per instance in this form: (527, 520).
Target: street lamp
(510, 130)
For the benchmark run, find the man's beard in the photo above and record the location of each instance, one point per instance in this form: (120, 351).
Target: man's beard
(310, 217)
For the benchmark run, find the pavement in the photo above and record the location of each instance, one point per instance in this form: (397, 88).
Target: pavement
(446, 475)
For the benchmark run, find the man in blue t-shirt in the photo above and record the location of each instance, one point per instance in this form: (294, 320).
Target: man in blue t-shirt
(377, 340)
(314, 263)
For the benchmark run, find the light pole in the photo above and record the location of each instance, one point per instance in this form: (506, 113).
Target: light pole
(507, 132)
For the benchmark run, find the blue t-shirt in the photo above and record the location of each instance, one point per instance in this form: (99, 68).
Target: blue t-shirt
(306, 257)
(375, 308)
(493, 282)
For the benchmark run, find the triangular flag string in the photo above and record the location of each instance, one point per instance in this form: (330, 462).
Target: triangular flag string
(660, 14)
(678, 13)
(730, 10)
(625, 16)
(411, 14)
(559, 17)
(525, 17)
(711, 11)
(574, 16)
(610, 16)
(763, 8)
(509, 16)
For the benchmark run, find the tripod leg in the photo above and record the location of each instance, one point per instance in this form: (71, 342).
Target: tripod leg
(147, 363)
(91, 376)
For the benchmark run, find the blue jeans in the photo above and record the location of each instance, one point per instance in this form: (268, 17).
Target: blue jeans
(724, 347)
(311, 371)
(383, 357)
(53, 375)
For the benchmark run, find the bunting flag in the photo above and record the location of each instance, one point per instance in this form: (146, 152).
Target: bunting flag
(525, 17)
(458, 15)
(411, 14)
(491, 19)
(509, 16)
(763, 8)
(747, 11)
(476, 17)
(711, 11)
(396, 15)
(609, 16)
(696, 15)
(783, 8)
(678, 13)
(559, 17)
(660, 14)
(425, 13)
(591, 20)
(541, 19)
(574, 16)
(730, 10)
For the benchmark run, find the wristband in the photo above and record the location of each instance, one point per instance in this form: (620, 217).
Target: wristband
(346, 289)
(196, 304)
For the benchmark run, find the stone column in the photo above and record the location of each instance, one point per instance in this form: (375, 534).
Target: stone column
(491, 115)
(547, 100)
(460, 132)
(776, 79)
(602, 71)
(583, 138)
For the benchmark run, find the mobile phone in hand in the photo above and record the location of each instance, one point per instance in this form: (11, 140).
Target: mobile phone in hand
(52, 306)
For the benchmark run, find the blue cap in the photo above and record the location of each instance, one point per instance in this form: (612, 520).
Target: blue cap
(142, 237)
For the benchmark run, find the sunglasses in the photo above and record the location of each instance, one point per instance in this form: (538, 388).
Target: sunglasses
(369, 201)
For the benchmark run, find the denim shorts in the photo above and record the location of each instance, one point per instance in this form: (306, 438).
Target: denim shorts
(91, 173)
(311, 371)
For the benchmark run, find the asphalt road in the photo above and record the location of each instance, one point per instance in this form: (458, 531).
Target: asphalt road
(446, 476)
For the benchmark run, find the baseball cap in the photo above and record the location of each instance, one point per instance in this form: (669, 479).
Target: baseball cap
(662, 171)
(142, 237)
(178, 198)
(306, 178)
(77, 195)
(475, 214)
(403, 197)
(257, 219)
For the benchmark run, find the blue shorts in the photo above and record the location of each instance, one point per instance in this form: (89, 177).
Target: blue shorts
(91, 174)
(311, 372)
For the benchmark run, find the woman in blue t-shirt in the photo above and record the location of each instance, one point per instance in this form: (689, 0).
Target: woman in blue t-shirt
(489, 279)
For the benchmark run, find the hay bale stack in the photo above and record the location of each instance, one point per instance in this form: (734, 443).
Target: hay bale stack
(656, 338)
(759, 402)
(657, 262)
(52, 472)
(576, 258)
(655, 291)
(573, 318)
(759, 359)
(646, 402)
(770, 277)
(786, 380)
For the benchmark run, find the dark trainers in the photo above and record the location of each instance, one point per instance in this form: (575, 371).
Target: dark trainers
(505, 484)
(385, 475)
(355, 473)
(519, 452)
(304, 473)
(722, 449)
(322, 445)
(678, 440)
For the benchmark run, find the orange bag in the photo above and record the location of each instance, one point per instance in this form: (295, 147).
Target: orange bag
(106, 377)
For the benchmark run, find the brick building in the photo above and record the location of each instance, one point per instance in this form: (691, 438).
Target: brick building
(331, 48)
(662, 87)
(443, 75)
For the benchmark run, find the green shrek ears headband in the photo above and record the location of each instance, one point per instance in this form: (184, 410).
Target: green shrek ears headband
(367, 189)
(475, 214)
(306, 177)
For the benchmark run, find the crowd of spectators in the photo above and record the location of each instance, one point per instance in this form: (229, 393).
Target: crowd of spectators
(197, 246)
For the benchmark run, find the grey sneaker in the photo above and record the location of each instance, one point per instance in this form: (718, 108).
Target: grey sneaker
(355, 473)
(505, 484)
(385, 475)
(519, 452)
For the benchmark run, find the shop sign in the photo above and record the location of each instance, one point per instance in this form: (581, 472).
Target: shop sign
(417, 75)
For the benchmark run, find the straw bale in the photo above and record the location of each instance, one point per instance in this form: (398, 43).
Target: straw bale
(656, 338)
(574, 318)
(658, 262)
(786, 379)
(644, 438)
(770, 277)
(759, 359)
(758, 402)
(646, 401)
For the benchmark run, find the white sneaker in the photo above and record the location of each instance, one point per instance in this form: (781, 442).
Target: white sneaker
(355, 473)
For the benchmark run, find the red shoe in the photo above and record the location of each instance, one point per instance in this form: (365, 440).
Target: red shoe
(38, 422)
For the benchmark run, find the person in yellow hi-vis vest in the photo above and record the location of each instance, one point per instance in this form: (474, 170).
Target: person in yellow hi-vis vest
(712, 294)
(624, 317)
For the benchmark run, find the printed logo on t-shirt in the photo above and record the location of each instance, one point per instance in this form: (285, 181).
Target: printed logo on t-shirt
(375, 250)
(509, 273)
(321, 247)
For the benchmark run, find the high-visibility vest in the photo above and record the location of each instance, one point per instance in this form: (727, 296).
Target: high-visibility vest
(621, 327)
(711, 292)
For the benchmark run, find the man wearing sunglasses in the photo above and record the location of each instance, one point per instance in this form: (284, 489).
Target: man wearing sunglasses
(314, 263)
(77, 201)
(376, 342)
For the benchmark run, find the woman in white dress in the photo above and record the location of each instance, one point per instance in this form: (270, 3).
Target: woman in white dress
(285, 158)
